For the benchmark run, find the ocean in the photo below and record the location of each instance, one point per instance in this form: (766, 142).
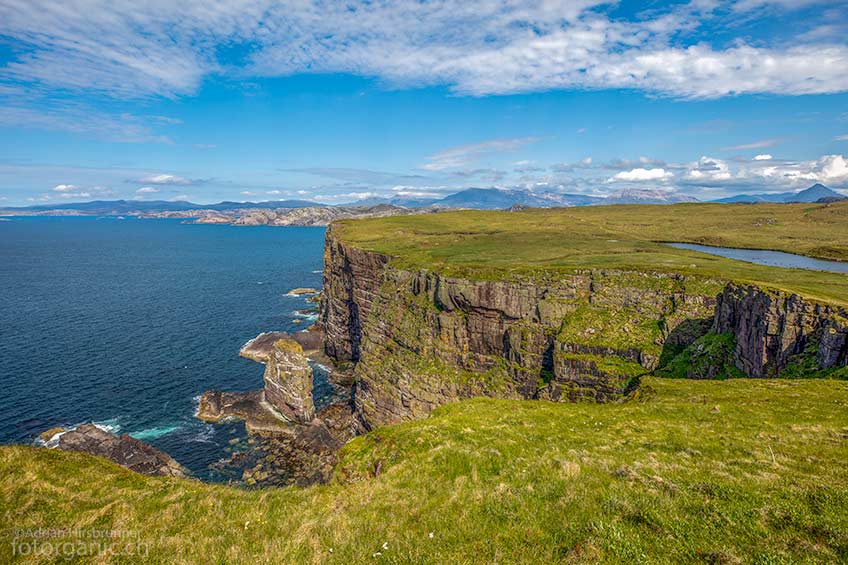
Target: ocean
(125, 322)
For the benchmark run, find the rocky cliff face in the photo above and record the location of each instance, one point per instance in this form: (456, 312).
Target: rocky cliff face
(775, 330)
(420, 339)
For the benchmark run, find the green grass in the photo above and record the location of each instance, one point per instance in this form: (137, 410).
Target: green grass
(690, 472)
(544, 243)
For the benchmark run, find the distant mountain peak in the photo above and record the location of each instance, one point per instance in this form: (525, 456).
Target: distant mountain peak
(647, 196)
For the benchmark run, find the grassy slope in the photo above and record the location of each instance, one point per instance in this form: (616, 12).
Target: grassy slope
(693, 471)
(490, 244)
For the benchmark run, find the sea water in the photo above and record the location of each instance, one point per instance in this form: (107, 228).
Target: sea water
(126, 322)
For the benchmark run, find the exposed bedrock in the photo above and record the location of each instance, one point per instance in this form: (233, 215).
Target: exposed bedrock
(286, 397)
(288, 381)
(420, 339)
(774, 330)
(124, 450)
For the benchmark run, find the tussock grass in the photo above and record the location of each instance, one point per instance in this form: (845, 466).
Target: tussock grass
(691, 471)
(541, 243)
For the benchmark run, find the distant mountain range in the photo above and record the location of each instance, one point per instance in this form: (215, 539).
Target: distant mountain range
(473, 198)
(813, 194)
(119, 207)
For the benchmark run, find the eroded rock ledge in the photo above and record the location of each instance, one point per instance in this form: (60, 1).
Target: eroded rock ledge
(124, 450)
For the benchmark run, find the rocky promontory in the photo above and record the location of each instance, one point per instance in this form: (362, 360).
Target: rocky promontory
(124, 450)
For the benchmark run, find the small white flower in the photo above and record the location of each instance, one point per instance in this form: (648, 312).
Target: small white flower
(378, 554)
(385, 545)
(246, 524)
(431, 535)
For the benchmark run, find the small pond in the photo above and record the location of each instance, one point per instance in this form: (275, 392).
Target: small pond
(770, 258)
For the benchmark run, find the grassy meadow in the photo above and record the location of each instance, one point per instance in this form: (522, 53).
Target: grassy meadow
(543, 242)
(734, 471)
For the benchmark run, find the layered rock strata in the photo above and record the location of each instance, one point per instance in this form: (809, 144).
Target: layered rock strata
(124, 450)
(420, 339)
(286, 398)
(772, 329)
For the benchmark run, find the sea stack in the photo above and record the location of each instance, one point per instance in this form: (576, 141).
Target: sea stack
(288, 376)
(288, 381)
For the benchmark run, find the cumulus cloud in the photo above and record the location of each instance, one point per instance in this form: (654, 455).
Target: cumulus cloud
(463, 155)
(708, 169)
(140, 49)
(71, 191)
(641, 175)
(763, 157)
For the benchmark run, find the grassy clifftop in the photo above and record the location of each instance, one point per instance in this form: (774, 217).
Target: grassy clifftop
(693, 471)
(540, 242)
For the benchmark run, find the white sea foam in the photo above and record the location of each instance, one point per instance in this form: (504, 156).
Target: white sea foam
(204, 434)
(111, 425)
(156, 432)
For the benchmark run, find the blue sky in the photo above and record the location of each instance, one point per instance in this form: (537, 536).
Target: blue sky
(255, 100)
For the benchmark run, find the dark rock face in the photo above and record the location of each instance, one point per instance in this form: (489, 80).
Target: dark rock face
(771, 327)
(420, 339)
(351, 280)
(124, 450)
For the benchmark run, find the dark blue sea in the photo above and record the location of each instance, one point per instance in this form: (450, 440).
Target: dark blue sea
(125, 322)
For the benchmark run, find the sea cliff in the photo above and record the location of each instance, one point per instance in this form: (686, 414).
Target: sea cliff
(419, 339)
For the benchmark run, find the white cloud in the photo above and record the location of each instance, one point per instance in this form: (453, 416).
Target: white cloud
(462, 155)
(346, 196)
(753, 145)
(165, 179)
(140, 49)
(708, 169)
(147, 190)
(763, 157)
(832, 168)
(841, 137)
(640, 175)
(70, 191)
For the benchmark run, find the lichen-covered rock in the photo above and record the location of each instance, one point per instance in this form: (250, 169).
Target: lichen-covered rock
(124, 450)
(288, 381)
(772, 327)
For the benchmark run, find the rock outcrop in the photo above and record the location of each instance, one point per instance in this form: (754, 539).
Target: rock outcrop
(124, 450)
(420, 339)
(288, 381)
(286, 398)
(773, 328)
